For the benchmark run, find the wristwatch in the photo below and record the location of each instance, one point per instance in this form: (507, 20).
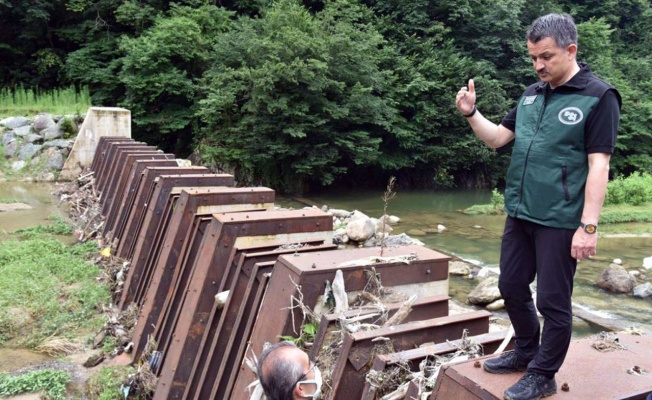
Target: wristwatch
(589, 228)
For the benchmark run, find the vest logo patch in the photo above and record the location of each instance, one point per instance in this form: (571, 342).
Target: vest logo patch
(570, 116)
(529, 100)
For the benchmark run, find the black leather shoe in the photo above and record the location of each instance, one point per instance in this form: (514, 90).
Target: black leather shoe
(505, 364)
(531, 386)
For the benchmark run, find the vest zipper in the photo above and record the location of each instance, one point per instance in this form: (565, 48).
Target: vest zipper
(564, 184)
(527, 154)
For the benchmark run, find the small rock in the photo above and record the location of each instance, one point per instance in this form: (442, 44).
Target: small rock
(616, 279)
(486, 272)
(23, 131)
(401, 240)
(441, 228)
(459, 268)
(10, 149)
(339, 213)
(60, 143)
(18, 165)
(496, 305)
(56, 161)
(33, 138)
(360, 230)
(635, 274)
(647, 263)
(15, 122)
(52, 133)
(477, 227)
(618, 261)
(643, 291)
(416, 232)
(8, 137)
(28, 151)
(486, 292)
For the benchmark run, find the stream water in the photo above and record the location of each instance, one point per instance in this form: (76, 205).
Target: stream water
(476, 239)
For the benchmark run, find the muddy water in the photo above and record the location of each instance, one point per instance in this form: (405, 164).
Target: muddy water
(476, 239)
(36, 195)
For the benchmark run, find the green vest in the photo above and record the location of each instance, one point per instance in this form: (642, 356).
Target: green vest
(549, 165)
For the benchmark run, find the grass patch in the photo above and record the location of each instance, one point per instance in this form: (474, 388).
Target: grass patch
(9, 201)
(59, 226)
(51, 383)
(27, 101)
(105, 385)
(54, 284)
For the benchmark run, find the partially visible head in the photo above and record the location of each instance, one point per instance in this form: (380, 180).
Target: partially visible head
(286, 373)
(559, 27)
(552, 44)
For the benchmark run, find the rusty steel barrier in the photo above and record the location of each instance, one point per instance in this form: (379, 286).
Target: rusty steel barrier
(102, 145)
(193, 204)
(423, 308)
(310, 271)
(136, 163)
(182, 326)
(106, 172)
(101, 170)
(146, 192)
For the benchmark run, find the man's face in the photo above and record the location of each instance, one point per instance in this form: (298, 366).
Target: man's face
(552, 63)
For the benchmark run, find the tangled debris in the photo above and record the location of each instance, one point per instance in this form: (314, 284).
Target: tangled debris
(85, 209)
(607, 341)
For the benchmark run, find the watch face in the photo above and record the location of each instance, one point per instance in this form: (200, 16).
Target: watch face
(590, 228)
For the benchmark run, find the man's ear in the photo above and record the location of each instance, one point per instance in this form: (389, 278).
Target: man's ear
(572, 50)
(298, 391)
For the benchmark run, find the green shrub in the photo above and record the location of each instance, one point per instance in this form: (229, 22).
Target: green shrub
(635, 190)
(68, 127)
(59, 226)
(51, 383)
(105, 385)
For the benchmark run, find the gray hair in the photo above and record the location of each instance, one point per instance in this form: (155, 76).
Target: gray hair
(280, 374)
(560, 27)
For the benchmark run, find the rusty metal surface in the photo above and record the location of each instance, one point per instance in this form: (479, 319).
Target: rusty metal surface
(311, 270)
(354, 359)
(225, 234)
(132, 214)
(192, 203)
(590, 374)
(104, 172)
(143, 197)
(489, 341)
(102, 145)
(423, 308)
(119, 172)
(221, 336)
(135, 164)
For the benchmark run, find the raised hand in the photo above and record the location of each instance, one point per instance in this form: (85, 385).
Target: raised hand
(465, 99)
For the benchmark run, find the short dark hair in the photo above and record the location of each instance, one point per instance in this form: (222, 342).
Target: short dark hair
(281, 374)
(560, 27)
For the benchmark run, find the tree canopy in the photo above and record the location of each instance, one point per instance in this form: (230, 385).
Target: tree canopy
(300, 95)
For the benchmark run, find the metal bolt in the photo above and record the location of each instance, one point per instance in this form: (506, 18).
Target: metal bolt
(314, 265)
(427, 271)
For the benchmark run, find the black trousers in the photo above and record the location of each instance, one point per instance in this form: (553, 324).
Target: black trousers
(531, 250)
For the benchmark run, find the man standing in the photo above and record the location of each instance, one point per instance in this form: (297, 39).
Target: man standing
(564, 131)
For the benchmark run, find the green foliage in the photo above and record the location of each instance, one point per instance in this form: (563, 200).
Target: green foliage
(308, 332)
(635, 190)
(52, 383)
(295, 98)
(494, 208)
(622, 213)
(27, 101)
(53, 283)
(59, 226)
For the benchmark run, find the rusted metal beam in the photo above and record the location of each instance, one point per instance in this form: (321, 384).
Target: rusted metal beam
(413, 357)
(426, 274)
(126, 176)
(354, 359)
(102, 146)
(225, 234)
(182, 232)
(423, 308)
(104, 173)
(118, 173)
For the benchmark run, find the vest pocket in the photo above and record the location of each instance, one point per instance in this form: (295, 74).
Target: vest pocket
(564, 184)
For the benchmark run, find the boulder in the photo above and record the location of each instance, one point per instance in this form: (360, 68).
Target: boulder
(15, 122)
(8, 137)
(56, 161)
(42, 122)
(28, 151)
(10, 149)
(486, 292)
(356, 215)
(400, 240)
(486, 272)
(32, 138)
(496, 305)
(60, 143)
(647, 263)
(616, 279)
(23, 131)
(643, 291)
(18, 165)
(54, 132)
(360, 230)
(459, 268)
(339, 213)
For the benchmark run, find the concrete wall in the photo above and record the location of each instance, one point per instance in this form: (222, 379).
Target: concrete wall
(99, 121)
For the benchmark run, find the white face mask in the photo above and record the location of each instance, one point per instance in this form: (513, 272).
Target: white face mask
(314, 381)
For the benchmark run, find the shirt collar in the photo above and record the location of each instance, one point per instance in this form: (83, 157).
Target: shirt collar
(578, 81)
